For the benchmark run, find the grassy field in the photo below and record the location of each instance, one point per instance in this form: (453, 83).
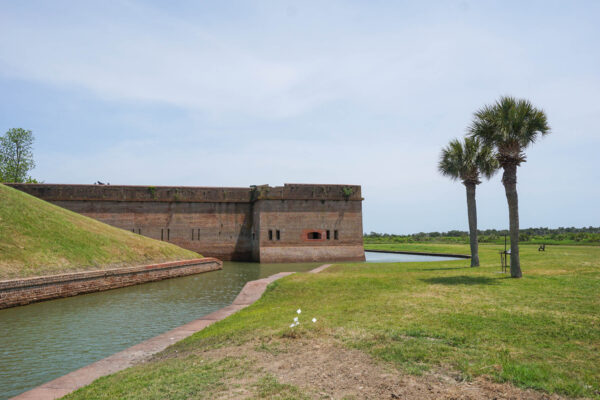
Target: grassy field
(541, 331)
(38, 238)
(576, 239)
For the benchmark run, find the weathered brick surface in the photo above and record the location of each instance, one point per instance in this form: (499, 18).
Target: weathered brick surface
(166, 194)
(312, 253)
(221, 230)
(18, 292)
(227, 223)
(169, 194)
(295, 219)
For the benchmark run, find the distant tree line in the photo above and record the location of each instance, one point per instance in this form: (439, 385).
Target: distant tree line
(573, 235)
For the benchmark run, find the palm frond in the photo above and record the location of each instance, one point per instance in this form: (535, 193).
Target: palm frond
(450, 162)
(510, 125)
(467, 159)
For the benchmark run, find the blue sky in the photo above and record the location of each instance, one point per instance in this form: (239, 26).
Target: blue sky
(363, 92)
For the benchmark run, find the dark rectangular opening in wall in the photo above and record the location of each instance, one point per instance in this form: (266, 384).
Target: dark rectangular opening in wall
(168, 234)
(139, 231)
(162, 234)
(313, 235)
(270, 234)
(192, 233)
(253, 236)
(198, 236)
(328, 234)
(335, 235)
(278, 234)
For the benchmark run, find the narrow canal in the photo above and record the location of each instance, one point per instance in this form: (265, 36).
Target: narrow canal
(42, 341)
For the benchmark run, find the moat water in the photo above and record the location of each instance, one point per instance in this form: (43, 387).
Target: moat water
(43, 341)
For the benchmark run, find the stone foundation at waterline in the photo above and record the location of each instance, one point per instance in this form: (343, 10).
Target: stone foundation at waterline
(290, 223)
(18, 292)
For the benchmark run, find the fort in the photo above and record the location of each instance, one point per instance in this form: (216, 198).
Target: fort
(290, 223)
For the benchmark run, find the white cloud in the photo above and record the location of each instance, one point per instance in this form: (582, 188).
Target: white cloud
(313, 92)
(133, 53)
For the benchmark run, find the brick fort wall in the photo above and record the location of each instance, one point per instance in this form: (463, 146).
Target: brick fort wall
(290, 223)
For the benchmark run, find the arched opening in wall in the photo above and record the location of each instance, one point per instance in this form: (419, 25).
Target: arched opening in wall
(314, 236)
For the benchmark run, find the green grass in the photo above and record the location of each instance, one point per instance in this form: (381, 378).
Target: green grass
(190, 377)
(268, 387)
(541, 331)
(450, 248)
(39, 238)
(174, 379)
(571, 238)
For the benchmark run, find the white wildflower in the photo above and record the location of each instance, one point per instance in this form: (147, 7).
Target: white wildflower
(292, 325)
(314, 320)
(299, 311)
(295, 319)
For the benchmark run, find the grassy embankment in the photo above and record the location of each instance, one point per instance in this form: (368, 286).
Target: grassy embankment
(38, 238)
(541, 331)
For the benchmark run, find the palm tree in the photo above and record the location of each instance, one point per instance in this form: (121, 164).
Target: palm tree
(510, 125)
(467, 161)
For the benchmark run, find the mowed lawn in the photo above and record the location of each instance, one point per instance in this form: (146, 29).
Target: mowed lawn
(541, 331)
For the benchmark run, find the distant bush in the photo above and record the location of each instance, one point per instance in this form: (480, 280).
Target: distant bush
(589, 235)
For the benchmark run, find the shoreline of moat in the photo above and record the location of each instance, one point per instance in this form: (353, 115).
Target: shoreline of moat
(59, 387)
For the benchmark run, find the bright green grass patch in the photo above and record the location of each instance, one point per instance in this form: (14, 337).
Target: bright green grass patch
(269, 388)
(189, 377)
(39, 238)
(174, 379)
(541, 331)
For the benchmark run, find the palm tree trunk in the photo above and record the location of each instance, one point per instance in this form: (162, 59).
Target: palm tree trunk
(509, 179)
(472, 212)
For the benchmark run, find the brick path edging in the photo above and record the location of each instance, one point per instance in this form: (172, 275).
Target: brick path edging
(72, 381)
(19, 292)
